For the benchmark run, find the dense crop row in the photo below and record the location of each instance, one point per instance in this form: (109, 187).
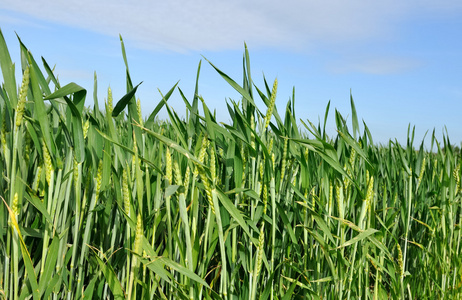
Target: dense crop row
(102, 203)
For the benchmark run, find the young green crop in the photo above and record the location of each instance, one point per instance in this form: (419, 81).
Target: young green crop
(102, 204)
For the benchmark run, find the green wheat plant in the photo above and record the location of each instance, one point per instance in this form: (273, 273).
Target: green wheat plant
(109, 203)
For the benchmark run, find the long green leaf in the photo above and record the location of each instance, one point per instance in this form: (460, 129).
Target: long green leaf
(111, 279)
(50, 265)
(8, 72)
(124, 101)
(361, 236)
(76, 108)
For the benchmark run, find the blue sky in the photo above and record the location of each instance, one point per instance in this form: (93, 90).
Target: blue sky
(402, 60)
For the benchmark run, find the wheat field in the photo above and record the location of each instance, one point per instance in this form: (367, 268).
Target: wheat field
(104, 203)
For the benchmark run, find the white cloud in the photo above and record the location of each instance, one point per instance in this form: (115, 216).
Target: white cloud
(14, 20)
(181, 25)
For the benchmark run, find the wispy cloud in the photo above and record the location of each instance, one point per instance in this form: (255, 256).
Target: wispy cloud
(14, 20)
(215, 25)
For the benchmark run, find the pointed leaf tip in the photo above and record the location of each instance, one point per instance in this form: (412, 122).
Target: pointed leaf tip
(124, 101)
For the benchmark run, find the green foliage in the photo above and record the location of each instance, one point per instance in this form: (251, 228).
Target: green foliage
(102, 204)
